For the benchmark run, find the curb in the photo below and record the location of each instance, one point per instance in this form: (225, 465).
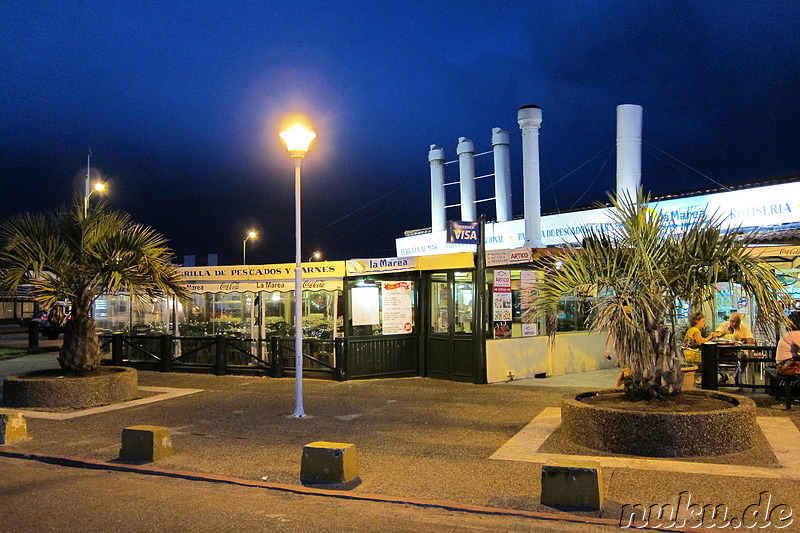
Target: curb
(78, 462)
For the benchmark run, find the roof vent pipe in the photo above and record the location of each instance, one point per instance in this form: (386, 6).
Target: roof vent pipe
(502, 174)
(629, 151)
(466, 168)
(529, 118)
(438, 216)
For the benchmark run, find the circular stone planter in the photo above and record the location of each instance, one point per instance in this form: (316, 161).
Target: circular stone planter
(661, 434)
(54, 388)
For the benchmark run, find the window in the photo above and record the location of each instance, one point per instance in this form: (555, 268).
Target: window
(463, 302)
(440, 304)
(381, 306)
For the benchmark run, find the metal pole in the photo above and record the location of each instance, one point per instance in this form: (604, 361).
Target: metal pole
(88, 186)
(244, 252)
(298, 299)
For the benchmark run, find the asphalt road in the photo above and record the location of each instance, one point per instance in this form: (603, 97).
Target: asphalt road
(37, 497)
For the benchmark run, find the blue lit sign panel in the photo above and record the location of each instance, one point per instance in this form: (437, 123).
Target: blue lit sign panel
(463, 232)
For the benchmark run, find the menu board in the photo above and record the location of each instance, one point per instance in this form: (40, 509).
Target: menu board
(365, 306)
(501, 297)
(396, 303)
(527, 301)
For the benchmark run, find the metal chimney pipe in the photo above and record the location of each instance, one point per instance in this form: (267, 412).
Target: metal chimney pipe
(502, 174)
(466, 168)
(629, 151)
(438, 215)
(529, 118)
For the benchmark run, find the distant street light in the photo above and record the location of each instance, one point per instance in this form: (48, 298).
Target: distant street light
(98, 187)
(316, 256)
(297, 140)
(250, 235)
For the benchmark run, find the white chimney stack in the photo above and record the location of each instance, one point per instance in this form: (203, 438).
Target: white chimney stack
(529, 118)
(629, 151)
(502, 174)
(438, 216)
(466, 167)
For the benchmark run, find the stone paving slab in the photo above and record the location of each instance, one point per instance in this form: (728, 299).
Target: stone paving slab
(416, 438)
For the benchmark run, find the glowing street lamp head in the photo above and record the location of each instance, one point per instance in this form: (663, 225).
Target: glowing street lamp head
(99, 186)
(252, 234)
(297, 140)
(317, 255)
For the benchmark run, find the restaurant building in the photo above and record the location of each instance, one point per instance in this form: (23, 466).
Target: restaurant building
(459, 310)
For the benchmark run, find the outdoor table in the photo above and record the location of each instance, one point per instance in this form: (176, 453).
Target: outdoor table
(713, 354)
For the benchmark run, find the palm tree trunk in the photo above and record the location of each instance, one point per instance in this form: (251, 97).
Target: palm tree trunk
(80, 352)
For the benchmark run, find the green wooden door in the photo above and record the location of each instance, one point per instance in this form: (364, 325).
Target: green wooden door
(450, 343)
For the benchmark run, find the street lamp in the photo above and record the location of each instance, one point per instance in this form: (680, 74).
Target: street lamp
(297, 140)
(99, 187)
(316, 256)
(250, 235)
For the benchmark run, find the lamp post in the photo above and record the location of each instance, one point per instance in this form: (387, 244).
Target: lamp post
(99, 187)
(316, 256)
(297, 140)
(250, 235)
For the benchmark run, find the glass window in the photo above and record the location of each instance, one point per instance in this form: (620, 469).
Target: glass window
(112, 314)
(730, 298)
(521, 319)
(381, 306)
(440, 304)
(572, 313)
(463, 302)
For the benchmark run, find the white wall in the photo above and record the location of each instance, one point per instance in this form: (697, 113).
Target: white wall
(525, 357)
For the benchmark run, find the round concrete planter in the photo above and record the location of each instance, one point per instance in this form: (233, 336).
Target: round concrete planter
(54, 388)
(661, 434)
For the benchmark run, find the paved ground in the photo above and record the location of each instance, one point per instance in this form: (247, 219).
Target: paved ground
(416, 439)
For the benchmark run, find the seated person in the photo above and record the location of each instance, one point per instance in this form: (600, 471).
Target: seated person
(694, 337)
(789, 345)
(734, 327)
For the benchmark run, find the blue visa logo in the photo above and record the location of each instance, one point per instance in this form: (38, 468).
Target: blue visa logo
(459, 232)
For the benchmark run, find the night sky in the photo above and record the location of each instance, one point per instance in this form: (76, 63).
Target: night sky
(181, 103)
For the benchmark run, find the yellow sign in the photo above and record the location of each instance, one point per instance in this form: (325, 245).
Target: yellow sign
(775, 251)
(269, 286)
(282, 271)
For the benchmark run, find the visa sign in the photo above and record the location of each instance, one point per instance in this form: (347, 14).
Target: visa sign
(463, 232)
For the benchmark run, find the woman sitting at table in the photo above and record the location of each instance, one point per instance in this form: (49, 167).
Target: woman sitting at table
(694, 338)
(789, 345)
(734, 327)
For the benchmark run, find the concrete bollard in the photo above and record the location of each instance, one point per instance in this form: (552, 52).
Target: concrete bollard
(332, 465)
(572, 485)
(13, 427)
(145, 443)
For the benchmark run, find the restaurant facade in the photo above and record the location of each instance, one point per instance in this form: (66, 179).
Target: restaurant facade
(459, 310)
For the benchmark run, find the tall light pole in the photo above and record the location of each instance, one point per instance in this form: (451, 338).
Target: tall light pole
(87, 190)
(297, 140)
(250, 235)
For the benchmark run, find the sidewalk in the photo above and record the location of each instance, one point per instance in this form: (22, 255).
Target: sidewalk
(416, 438)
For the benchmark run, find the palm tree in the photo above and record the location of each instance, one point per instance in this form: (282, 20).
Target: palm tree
(73, 256)
(633, 270)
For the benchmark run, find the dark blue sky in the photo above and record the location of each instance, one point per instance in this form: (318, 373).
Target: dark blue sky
(180, 104)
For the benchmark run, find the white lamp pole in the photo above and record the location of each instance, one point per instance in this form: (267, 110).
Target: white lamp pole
(87, 186)
(250, 235)
(297, 140)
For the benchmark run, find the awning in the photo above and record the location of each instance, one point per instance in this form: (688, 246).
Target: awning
(269, 286)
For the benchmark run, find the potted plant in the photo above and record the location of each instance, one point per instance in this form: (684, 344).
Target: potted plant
(635, 269)
(75, 255)
(632, 271)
